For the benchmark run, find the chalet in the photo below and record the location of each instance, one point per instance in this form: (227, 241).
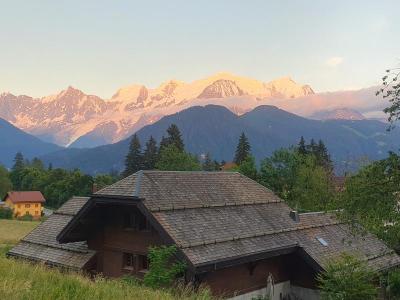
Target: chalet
(25, 203)
(235, 235)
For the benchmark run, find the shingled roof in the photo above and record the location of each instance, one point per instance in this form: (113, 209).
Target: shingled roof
(25, 197)
(216, 217)
(41, 244)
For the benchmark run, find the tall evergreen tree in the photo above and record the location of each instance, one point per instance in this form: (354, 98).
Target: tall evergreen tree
(302, 146)
(17, 170)
(19, 162)
(312, 147)
(208, 164)
(242, 149)
(150, 154)
(134, 158)
(175, 137)
(323, 157)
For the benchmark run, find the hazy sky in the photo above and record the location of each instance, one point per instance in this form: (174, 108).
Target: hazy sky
(99, 46)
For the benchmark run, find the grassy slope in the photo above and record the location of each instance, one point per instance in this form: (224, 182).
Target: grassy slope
(23, 280)
(11, 231)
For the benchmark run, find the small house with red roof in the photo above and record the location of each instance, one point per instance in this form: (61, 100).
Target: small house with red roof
(25, 203)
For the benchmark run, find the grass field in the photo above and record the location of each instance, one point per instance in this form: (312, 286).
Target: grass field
(11, 231)
(23, 280)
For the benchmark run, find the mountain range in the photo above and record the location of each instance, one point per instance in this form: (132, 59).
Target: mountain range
(15, 140)
(74, 119)
(216, 129)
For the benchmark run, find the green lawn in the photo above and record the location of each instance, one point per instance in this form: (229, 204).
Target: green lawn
(23, 280)
(11, 231)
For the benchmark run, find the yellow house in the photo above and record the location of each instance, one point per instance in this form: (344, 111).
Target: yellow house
(25, 203)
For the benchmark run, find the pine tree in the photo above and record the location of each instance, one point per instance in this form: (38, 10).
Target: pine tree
(208, 164)
(150, 154)
(175, 137)
(302, 146)
(323, 157)
(19, 162)
(312, 147)
(16, 171)
(242, 149)
(134, 158)
(163, 144)
(37, 164)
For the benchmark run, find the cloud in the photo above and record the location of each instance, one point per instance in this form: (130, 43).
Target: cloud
(334, 61)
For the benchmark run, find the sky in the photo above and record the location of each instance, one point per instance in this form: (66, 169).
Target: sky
(100, 46)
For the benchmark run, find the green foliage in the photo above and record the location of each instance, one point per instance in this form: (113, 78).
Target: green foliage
(5, 182)
(299, 179)
(172, 159)
(311, 188)
(392, 282)
(162, 270)
(347, 278)
(248, 167)
(134, 158)
(175, 137)
(242, 149)
(5, 213)
(371, 199)
(15, 175)
(390, 91)
(26, 217)
(208, 163)
(150, 154)
(103, 180)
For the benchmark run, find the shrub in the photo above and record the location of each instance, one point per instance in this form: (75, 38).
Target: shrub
(26, 217)
(162, 271)
(393, 284)
(5, 213)
(347, 278)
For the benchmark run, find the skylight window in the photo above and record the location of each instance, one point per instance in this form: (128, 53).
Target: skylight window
(322, 241)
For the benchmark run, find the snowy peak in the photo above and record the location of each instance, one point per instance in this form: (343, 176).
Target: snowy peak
(339, 114)
(67, 116)
(221, 88)
(286, 87)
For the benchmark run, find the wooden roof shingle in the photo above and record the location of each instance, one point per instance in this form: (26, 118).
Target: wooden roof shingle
(219, 216)
(41, 244)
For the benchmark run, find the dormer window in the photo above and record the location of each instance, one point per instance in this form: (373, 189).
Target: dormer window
(136, 221)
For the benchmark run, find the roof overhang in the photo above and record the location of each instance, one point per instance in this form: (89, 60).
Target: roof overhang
(67, 234)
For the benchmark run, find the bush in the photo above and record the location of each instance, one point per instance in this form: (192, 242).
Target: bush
(393, 284)
(27, 217)
(162, 271)
(5, 213)
(347, 278)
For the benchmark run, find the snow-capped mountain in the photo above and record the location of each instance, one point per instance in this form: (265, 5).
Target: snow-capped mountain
(73, 118)
(338, 114)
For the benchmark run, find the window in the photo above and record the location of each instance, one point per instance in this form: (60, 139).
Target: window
(135, 262)
(322, 241)
(36, 205)
(143, 263)
(129, 261)
(27, 205)
(19, 205)
(36, 213)
(136, 221)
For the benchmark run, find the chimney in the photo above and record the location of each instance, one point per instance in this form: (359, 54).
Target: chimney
(294, 214)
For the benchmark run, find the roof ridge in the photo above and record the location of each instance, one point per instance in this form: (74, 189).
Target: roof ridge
(174, 208)
(271, 232)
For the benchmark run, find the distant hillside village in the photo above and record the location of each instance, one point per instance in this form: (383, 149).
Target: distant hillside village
(280, 230)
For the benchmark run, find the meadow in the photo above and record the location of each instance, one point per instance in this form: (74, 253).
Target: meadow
(23, 280)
